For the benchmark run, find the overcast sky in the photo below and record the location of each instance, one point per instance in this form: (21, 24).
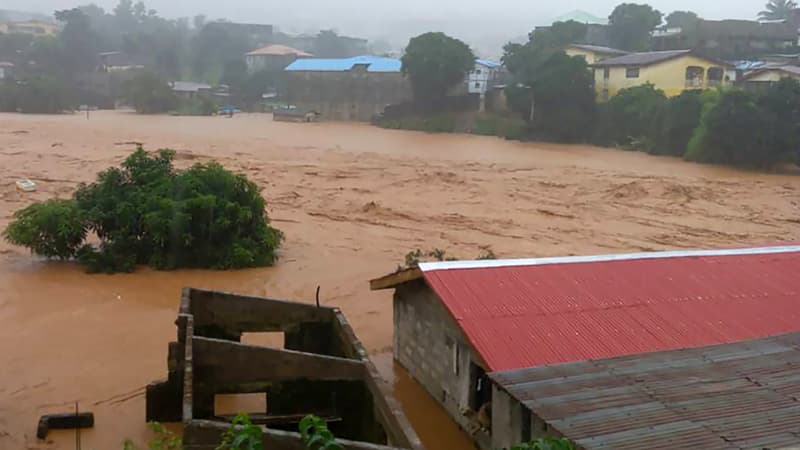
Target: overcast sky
(473, 20)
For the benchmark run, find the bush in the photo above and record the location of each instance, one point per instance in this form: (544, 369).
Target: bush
(37, 95)
(442, 123)
(197, 106)
(146, 212)
(629, 117)
(733, 132)
(54, 228)
(147, 93)
(675, 123)
(499, 126)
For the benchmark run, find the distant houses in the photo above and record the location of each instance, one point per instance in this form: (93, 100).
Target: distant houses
(347, 88)
(671, 71)
(6, 70)
(273, 58)
(37, 28)
(120, 62)
(520, 349)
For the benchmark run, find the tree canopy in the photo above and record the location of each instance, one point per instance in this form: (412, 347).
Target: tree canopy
(681, 19)
(148, 212)
(434, 63)
(630, 25)
(778, 10)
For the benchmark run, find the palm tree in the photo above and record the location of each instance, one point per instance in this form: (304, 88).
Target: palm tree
(778, 10)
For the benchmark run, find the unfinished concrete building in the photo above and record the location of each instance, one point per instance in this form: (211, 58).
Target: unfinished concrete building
(323, 370)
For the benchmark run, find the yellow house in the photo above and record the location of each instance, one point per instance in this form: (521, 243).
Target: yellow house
(593, 53)
(671, 71)
(32, 27)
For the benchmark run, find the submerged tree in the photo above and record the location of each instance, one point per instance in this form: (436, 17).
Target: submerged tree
(147, 212)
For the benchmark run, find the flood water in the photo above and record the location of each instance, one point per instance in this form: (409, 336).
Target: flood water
(352, 201)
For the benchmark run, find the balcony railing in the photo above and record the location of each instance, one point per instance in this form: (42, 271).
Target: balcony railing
(694, 83)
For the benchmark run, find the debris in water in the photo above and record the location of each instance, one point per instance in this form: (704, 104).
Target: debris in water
(26, 186)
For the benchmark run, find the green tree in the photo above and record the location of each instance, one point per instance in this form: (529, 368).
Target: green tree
(630, 25)
(214, 47)
(780, 105)
(147, 212)
(328, 44)
(557, 89)
(43, 94)
(681, 19)
(434, 63)
(79, 42)
(629, 118)
(778, 10)
(676, 121)
(148, 93)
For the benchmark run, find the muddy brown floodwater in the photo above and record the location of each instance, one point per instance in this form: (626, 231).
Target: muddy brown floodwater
(352, 200)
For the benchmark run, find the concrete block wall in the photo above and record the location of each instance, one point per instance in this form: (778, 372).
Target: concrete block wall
(424, 339)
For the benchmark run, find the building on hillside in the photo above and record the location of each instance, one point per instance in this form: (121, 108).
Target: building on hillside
(33, 27)
(769, 74)
(346, 89)
(596, 34)
(729, 39)
(273, 58)
(455, 322)
(190, 89)
(120, 62)
(257, 35)
(593, 53)
(740, 395)
(484, 76)
(671, 71)
(6, 70)
(581, 16)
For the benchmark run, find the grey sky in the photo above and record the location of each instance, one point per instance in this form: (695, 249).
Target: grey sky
(483, 23)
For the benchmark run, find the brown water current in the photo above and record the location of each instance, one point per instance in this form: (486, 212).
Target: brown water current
(352, 200)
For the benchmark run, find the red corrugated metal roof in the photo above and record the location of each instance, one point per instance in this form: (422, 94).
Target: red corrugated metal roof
(535, 312)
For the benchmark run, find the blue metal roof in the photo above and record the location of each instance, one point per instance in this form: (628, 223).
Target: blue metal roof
(374, 64)
(487, 63)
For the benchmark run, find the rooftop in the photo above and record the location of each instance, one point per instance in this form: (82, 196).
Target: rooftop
(789, 69)
(278, 50)
(189, 86)
(582, 17)
(373, 63)
(741, 395)
(533, 312)
(488, 63)
(599, 49)
(643, 58)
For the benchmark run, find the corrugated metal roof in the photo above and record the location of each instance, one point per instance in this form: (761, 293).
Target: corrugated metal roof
(644, 58)
(488, 63)
(374, 64)
(732, 396)
(534, 312)
(599, 49)
(278, 50)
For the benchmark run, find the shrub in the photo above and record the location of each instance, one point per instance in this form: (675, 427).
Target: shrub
(37, 95)
(442, 123)
(54, 228)
(146, 212)
(242, 435)
(629, 117)
(514, 129)
(147, 93)
(548, 443)
(197, 106)
(732, 132)
(316, 435)
(780, 105)
(675, 123)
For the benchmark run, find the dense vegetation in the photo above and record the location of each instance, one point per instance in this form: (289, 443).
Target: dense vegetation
(434, 63)
(148, 212)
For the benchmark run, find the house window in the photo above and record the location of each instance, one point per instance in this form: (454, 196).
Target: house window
(480, 388)
(632, 72)
(477, 71)
(606, 73)
(477, 85)
(455, 358)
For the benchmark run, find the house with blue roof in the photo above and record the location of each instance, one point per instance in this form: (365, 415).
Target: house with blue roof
(354, 88)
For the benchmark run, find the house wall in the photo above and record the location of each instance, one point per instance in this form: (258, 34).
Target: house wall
(480, 79)
(275, 63)
(434, 351)
(771, 76)
(350, 95)
(669, 76)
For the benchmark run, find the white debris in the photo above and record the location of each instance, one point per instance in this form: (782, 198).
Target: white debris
(26, 186)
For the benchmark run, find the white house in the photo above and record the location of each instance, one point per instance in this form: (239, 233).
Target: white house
(483, 76)
(5, 70)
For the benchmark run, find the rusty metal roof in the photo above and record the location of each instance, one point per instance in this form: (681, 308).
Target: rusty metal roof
(732, 396)
(525, 313)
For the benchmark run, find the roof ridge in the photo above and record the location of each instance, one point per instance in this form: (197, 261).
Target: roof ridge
(496, 263)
